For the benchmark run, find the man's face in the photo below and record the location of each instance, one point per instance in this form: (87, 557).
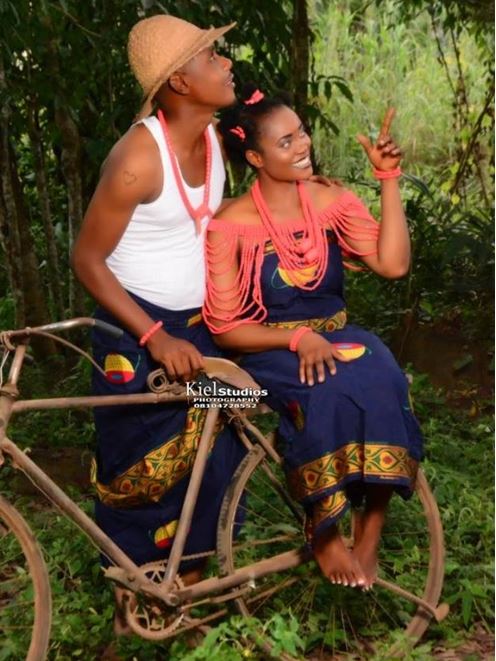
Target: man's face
(208, 79)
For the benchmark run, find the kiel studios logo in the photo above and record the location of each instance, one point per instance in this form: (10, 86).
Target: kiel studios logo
(207, 393)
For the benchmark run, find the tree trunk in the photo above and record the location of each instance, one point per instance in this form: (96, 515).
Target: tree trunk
(34, 292)
(8, 227)
(300, 57)
(30, 294)
(71, 164)
(54, 276)
(9, 241)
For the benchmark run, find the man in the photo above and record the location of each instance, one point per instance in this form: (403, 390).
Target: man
(140, 255)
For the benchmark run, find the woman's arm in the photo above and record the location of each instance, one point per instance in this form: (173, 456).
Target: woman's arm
(223, 308)
(392, 249)
(252, 338)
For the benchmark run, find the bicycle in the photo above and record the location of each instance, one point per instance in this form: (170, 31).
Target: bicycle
(263, 561)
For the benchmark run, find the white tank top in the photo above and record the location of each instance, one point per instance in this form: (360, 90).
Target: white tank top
(160, 257)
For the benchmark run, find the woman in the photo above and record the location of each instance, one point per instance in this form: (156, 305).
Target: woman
(275, 294)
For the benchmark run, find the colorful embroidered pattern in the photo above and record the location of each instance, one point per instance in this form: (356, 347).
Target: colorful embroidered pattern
(282, 278)
(297, 415)
(194, 320)
(160, 470)
(388, 462)
(350, 350)
(118, 369)
(330, 507)
(327, 324)
(164, 535)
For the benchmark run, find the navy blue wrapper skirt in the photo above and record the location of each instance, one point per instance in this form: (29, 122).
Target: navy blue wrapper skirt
(357, 427)
(145, 452)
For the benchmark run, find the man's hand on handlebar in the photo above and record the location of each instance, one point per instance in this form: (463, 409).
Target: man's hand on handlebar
(181, 360)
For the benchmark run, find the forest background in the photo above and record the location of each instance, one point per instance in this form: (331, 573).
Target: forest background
(67, 95)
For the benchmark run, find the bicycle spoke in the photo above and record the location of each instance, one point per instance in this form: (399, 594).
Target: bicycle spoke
(382, 608)
(255, 496)
(334, 619)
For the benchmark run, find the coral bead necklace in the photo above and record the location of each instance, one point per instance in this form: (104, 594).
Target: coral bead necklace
(204, 208)
(296, 256)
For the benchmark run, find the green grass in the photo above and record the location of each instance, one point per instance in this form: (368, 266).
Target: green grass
(387, 62)
(459, 460)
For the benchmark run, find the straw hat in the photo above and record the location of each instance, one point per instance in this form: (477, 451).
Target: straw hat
(162, 44)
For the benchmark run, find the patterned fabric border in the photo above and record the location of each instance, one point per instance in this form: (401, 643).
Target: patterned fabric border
(330, 507)
(328, 324)
(158, 471)
(388, 462)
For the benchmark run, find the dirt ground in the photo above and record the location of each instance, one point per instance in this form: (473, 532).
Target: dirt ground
(479, 647)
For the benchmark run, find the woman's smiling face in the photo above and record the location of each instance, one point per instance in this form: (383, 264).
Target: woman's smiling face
(283, 146)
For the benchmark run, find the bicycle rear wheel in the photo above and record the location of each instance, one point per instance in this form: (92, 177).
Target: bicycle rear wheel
(331, 618)
(25, 596)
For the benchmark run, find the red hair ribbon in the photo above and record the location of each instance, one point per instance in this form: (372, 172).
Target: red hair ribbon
(237, 130)
(254, 98)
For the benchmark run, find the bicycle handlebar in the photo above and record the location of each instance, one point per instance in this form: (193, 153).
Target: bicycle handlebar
(67, 324)
(110, 329)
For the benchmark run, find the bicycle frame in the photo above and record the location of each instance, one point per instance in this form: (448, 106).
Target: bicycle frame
(125, 571)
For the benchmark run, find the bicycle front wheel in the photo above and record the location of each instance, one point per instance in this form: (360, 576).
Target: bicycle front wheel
(257, 521)
(25, 596)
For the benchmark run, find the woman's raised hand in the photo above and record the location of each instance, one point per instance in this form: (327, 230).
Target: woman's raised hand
(385, 154)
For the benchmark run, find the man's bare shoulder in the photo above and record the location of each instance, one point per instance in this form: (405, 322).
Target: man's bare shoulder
(136, 148)
(240, 211)
(134, 163)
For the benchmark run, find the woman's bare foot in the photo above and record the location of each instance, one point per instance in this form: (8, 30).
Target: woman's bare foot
(335, 561)
(368, 531)
(365, 553)
(356, 526)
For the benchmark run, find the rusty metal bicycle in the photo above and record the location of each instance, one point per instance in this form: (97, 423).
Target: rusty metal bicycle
(262, 561)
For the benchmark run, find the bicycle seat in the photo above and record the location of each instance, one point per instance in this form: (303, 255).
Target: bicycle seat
(228, 372)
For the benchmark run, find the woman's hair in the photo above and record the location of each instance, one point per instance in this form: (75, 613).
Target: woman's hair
(239, 124)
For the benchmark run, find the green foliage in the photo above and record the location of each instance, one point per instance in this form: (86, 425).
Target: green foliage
(458, 465)
(363, 57)
(235, 640)
(459, 460)
(68, 54)
(58, 427)
(452, 273)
